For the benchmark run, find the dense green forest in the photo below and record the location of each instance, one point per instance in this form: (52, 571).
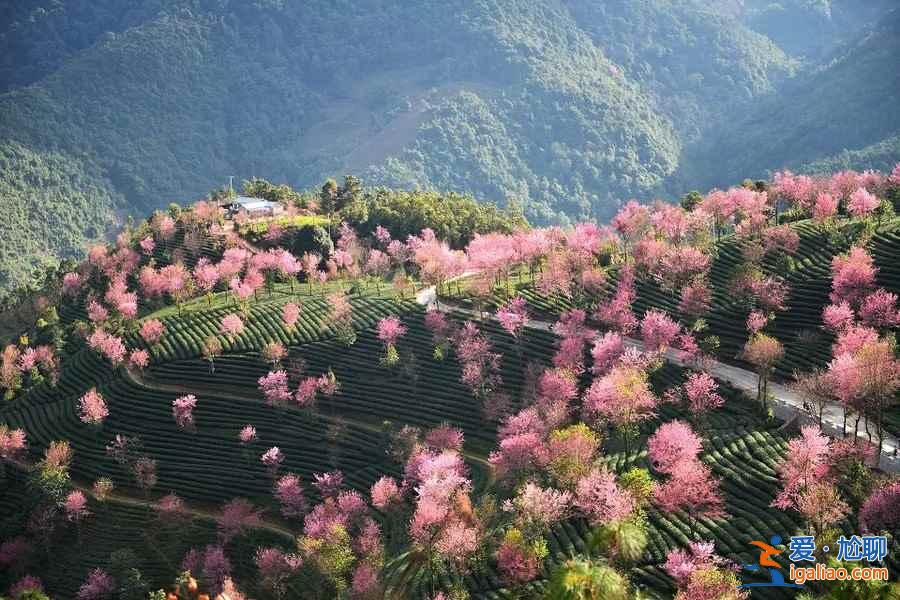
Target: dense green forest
(52, 205)
(567, 107)
(861, 83)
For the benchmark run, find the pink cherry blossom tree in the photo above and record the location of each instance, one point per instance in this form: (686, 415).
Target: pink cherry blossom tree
(108, 345)
(781, 239)
(441, 332)
(880, 377)
(599, 498)
(232, 326)
(631, 222)
(879, 309)
(702, 393)
(881, 510)
(852, 339)
(390, 329)
(171, 510)
(616, 313)
(275, 567)
(799, 190)
(139, 359)
(622, 398)
(238, 516)
(183, 411)
(144, 470)
(210, 349)
(289, 492)
(556, 277)
(306, 392)
(658, 331)
(808, 481)
(206, 276)
(572, 328)
(480, 365)
(247, 434)
(826, 207)
(92, 408)
(152, 331)
(696, 298)
(862, 203)
(274, 386)
(852, 276)
(691, 488)
(513, 316)
(273, 352)
(341, 318)
(75, 506)
(673, 443)
(290, 313)
(98, 586)
(272, 459)
(805, 462)
(96, 312)
(385, 493)
(838, 317)
(606, 352)
(702, 575)
(756, 321)
(821, 506)
(12, 442)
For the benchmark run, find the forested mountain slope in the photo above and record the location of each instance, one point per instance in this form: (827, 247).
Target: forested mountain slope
(567, 106)
(849, 103)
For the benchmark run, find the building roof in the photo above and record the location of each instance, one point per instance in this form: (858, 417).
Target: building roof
(253, 203)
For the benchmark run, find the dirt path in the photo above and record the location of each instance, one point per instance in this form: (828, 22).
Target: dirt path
(120, 498)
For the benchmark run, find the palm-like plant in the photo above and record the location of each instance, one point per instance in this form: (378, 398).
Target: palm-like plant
(622, 542)
(593, 575)
(586, 579)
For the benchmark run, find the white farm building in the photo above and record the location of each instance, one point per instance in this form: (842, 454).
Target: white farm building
(254, 207)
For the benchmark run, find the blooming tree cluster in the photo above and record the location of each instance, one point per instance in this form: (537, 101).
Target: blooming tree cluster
(810, 482)
(674, 451)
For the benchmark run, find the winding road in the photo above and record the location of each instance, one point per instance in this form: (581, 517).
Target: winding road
(786, 403)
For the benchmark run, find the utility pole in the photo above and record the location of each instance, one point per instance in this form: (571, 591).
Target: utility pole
(231, 185)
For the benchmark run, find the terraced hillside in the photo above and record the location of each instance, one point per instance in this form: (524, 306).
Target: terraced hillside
(210, 466)
(326, 425)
